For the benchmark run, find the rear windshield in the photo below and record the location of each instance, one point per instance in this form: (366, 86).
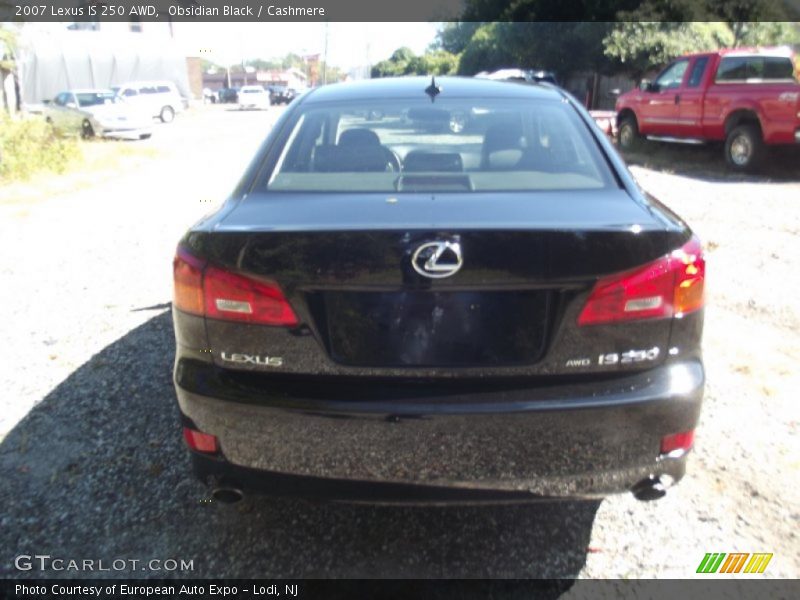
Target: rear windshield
(737, 69)
(449, 145)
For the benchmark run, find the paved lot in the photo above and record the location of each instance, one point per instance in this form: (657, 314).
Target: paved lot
(93, 466)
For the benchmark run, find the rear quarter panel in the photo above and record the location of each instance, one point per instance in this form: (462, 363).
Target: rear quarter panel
(776, 105)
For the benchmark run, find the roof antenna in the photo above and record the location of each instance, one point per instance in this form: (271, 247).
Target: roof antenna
(433, 89)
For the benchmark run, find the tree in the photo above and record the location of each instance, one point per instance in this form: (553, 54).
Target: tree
(454, 37)
(640, 47)
(547, 10)
(8, 44)
(489, 48)
(404, 62)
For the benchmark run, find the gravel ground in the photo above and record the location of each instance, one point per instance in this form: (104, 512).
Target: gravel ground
(92, 461)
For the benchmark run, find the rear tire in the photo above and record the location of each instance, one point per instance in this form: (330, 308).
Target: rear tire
(87, 131)
(167, 114)
(629, 138)
(744, 148)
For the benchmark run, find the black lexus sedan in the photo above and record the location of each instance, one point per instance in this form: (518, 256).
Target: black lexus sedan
(388, 311)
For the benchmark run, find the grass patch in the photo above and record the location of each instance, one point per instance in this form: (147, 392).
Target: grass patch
(29, 146)
(89, 162)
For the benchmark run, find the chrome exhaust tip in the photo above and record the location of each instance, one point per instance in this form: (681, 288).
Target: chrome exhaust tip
(227, 495)
(649, 489)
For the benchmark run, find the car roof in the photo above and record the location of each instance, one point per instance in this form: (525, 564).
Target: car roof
(773, 51)
(414, 87)
(153, 82)
(92, 91)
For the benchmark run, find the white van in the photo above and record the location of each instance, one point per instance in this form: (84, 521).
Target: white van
(161, 98)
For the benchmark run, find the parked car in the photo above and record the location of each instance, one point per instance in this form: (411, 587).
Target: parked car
(228, 95)
(253, 97)
(209, 96)
(520, 76)
(160, 98)
(746, 98)
(386, 313)
(282, 95)
(97, 112)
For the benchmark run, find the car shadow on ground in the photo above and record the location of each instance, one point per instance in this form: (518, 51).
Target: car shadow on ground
(707, 163)
(98, 470)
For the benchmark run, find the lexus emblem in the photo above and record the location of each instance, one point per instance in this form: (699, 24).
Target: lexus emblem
(437, 259)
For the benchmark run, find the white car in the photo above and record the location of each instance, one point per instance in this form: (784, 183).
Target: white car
(253, 96)
(160, 98)
(97, 112)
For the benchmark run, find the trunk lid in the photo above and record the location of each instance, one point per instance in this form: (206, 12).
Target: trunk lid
(363, 306)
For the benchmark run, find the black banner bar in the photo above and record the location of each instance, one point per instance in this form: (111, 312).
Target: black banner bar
(709, 588)
(87, 11)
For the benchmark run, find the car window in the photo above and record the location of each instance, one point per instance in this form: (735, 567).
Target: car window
(672, 76)
(148, 89)
(163, 89)
(755, 68)
(95, 98)
(61, 99)
(460, 145)
(128, 92)
(696, 75)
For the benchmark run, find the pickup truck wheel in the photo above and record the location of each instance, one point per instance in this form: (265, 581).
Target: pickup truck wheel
(629, 138)
(744, 147)
(167, 114)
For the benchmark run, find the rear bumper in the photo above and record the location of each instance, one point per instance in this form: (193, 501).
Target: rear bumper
(586, 439)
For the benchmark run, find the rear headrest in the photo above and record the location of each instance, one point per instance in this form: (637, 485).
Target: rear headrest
(503, 146)
(359, 137)
(336, 159)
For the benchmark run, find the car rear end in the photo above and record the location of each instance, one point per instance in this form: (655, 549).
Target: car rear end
(486, 329)
(253, 97)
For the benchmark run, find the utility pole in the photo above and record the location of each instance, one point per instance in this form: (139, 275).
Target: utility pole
(325, 57)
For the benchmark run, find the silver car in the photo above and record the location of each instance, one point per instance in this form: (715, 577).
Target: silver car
(97, 112)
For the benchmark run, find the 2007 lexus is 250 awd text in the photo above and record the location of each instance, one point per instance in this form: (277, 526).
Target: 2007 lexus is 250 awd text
(393, 309)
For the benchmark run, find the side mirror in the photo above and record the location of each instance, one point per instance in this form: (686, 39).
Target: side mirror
(644, 85)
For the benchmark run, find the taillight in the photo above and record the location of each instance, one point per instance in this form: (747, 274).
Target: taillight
(217, 294)
(199, 441)
(671, 286)
(232, 297)
(187, 273)
(677, 441)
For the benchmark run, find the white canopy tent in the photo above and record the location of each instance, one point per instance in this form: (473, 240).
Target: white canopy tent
(51, 61)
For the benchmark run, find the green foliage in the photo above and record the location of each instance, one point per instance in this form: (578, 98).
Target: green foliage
(615, 35)
(8, 44)
(640, 46)
(765, 34)
(30, 145)
(643, 46)
(454, 37)
(404, 62)
(489, 48)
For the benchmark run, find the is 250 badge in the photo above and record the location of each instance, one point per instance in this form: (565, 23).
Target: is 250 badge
(614, 358)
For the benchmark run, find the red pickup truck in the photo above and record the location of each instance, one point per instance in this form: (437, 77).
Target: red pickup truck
(747, 98)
